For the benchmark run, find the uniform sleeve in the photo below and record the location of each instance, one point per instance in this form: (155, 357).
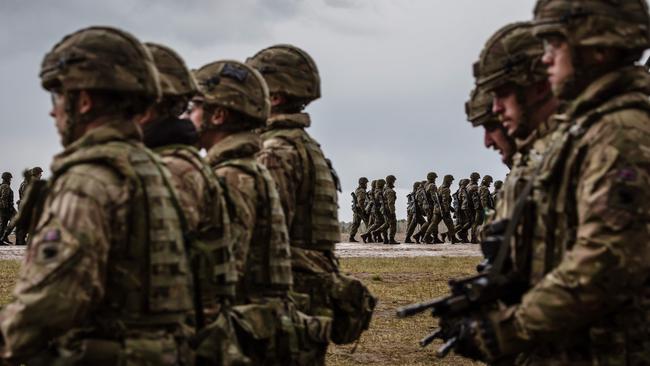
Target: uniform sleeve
(62, 276)
(391, 198)
(361, 198)
(608, 263)
(446, 197)
(484, 195)
(241, 193)
(284, 163)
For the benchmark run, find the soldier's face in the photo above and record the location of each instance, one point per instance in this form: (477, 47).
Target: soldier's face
(495, 138)
(557, 58)
(195, 113)
(506, 105)
(59, 113)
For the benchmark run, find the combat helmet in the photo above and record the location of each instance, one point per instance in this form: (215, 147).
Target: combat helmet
(448, 179)
(363, 180)
(288, 70)
(390, 179)
(474, 176)
(479, 108)
(498, 184)
(416, 185)
(623, 24)
(487, 179)
(463, 182)
(431, 176)
(513, 55)
(236, 86)
(100, 59)
(381, 183)
(36, 170)
(175, 77)
(6, 176)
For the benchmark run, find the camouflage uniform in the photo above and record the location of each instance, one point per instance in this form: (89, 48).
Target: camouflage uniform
(484, 194)
(7, 209)
(200, 193)
(29, 176)
(414, 212)
(358, 208)
(497, 190)
(370, 212)
(308, 184)
(588, 300)
(465, 214)
(429, 232)
(444, 194)
(105, 279)
(475, 204)
(389, 210)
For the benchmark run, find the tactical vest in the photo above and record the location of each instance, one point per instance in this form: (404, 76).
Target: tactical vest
(148, 280)
(315, 224)
(474, 199)
(616, 336)
(210, 245)
(268, 265)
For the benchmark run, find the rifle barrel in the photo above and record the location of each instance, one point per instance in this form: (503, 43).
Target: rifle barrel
(413, 309)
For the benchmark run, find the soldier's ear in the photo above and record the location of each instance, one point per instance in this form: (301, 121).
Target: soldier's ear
(219, 116)
(84, 102)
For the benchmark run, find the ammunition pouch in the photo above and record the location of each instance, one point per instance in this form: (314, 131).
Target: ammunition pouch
(353, 305)
(275, 332)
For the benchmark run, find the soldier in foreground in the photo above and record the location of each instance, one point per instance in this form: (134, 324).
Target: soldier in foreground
(201, 196)
(308, 186)
(106, 277)
(359, 208)
(232, 103)
(7, 210)
(586, 299)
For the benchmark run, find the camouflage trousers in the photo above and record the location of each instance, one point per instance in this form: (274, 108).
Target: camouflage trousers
(377, 223)
(449, 223)
(5, 218)
(477, 222)
(413, 220)
(357, 218)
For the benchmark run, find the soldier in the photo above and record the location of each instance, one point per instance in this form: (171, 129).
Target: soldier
(444, 195)
(414, 212)
(207, 221)
(359, 208)
(7, 209)
(475, 206)
(466, 213)
(233, 102)
(430, 232)
(587, 300)
(497, 189)
(370, 212)
(484, 195)
(29, 175)
(308, 188)
(389, 211)
(106, 278)
(378, 228)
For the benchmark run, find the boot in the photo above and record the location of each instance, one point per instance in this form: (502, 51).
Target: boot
(462, 236)
(474, 240)
(352, 240)
(454, 240)
(364, 237)
(428, 239)
(436, 240)
(393, 241)
(444, 237)
(408, 240)
(385, 237)
(417, 237)
(378, 238)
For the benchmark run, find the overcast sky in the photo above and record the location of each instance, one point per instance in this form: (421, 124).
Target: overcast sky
(395, 73)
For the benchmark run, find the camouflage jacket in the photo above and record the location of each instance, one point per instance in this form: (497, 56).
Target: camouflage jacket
(361, 198)
(258, 226)
(474, 198)
(389, 197)
(485, 197)
(208, 222)
(6, 198)
(87, 254)
(464, 199)
(432, 197)
(445, 198)
(589, 270)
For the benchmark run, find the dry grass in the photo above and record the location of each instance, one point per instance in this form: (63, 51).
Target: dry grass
(395, 282)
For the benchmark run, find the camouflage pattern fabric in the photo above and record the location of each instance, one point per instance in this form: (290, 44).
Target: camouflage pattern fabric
(445, 211)
(82, 247)
(359, 214)
(7, 209)
(476, 209)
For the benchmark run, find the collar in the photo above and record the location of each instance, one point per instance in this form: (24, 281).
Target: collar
(295, 120)
(117, 130)
(238, 145)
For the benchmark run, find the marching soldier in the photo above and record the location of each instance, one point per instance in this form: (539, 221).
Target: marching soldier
(444, 194)
(359, 208)
(414, 212)
(7, 209)
(475, 205)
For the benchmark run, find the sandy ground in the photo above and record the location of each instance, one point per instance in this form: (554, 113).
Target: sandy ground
(351, 250)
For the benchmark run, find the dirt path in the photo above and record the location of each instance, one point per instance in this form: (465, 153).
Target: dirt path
(356, 250)
(350, 250)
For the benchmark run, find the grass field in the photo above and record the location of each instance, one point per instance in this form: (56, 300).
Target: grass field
(395, 282)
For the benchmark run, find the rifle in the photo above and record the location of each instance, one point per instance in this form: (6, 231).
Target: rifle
(479, 293)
